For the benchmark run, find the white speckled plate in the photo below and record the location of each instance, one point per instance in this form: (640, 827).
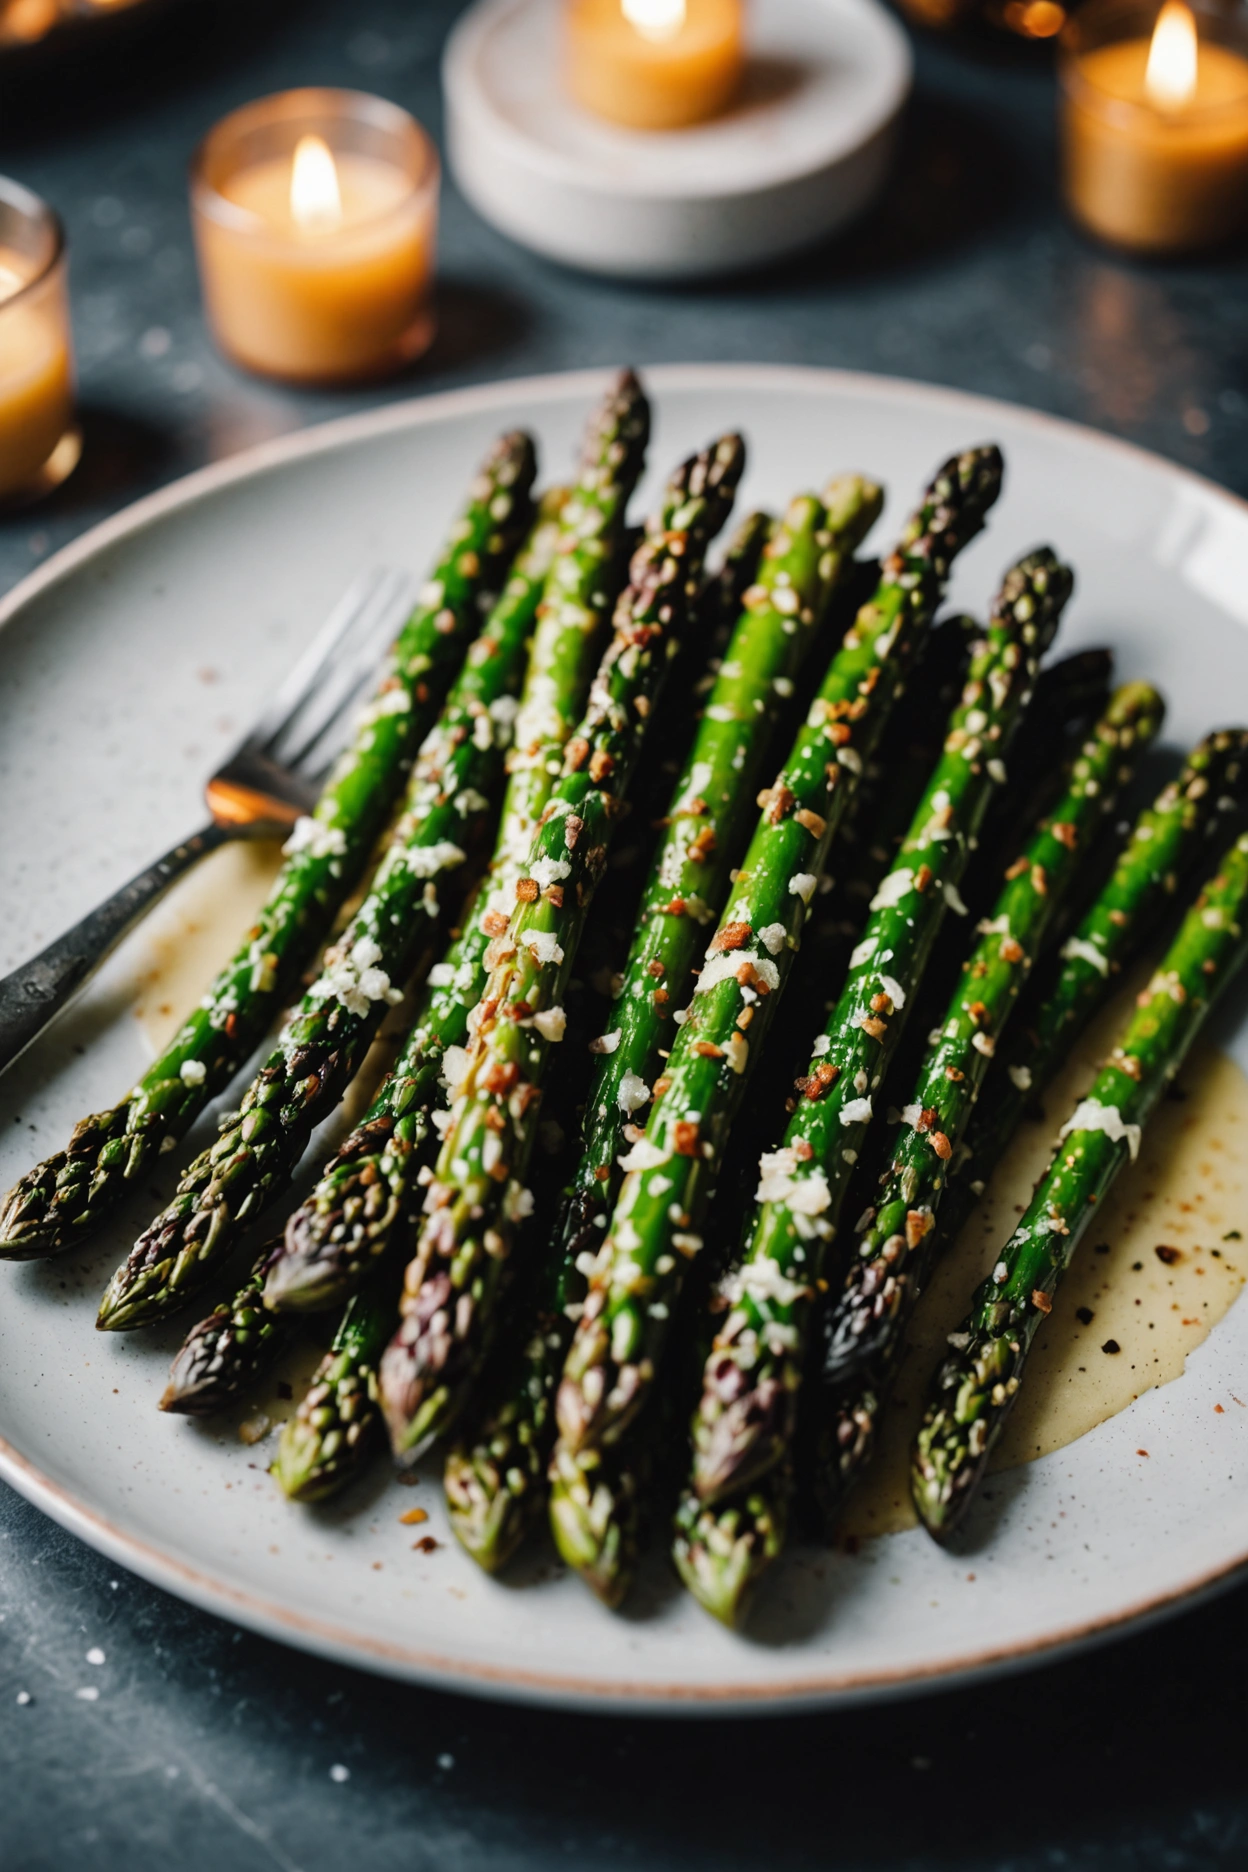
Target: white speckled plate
(106, 729)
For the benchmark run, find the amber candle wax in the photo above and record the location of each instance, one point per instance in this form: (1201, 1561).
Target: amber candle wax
(38, 441)
(654, 64)
(315, 220)
(1155, 124)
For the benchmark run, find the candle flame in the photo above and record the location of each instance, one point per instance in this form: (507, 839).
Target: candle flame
(315, 201)
(655, 19)
(1170, 76)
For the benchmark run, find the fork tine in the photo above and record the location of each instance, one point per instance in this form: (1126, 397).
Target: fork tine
(301, 683)
(324, 712)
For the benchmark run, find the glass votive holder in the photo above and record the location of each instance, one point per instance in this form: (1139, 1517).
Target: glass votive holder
(39, 442)
(1154, 123)
(315, 217)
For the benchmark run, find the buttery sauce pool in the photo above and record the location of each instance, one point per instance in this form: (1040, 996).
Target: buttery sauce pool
(196, 929)
(1187, 1195)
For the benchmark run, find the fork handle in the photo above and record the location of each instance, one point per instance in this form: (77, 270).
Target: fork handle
(39, 989)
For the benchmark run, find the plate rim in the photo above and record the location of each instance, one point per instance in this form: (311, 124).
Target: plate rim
(559, 1690)
(269, 1617)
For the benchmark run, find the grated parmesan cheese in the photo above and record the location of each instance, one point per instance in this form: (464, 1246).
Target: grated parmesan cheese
(724, 968)
(425, 861)
(548, 871)
(1091, 1115)
(544, 945)
(1079, 950)
(315, 838)
(632, 1094)
(855, 1111)
(644, 1155)
(897, 884)
(551, 1024)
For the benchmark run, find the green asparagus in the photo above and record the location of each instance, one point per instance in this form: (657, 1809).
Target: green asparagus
(338, 1423)
(223, 1356)
(622, 1332)
(709, 819)
(495, 1473)
(1168, 837)
(745, 1419)
(366, 1192)
(897, 1234)
(453, 1283)
(62, 1199)
(976, 1385)
(723, 591)
(323, 1043)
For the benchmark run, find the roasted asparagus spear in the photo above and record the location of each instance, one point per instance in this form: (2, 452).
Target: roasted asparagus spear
(635, 1282)
(495, 1474)
(367, 1192)
(477, 1195)
(898, 1233)
(746, 1416)
(976, 1385)
(62, 1199)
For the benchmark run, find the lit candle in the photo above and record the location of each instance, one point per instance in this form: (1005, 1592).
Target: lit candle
(1155, 124)
(654, 64)
(315, 224)
(39, 444)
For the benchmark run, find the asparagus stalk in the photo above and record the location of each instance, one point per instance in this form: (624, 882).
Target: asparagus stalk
(709, 819)
(1190, 811)
(725, 1548)
(897, 1235)
(61, 1200)
(224, 1356)
(452, 1285)
(338, 1424)
(323, 1043)
(745, 1419)
(595, 1503)
(366, 1192)
(723, 592)
(1071, 697)
(495, 1473)
(620, 1338)
(976, 1385)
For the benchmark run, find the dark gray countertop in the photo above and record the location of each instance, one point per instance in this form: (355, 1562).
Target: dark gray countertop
(192, 1744)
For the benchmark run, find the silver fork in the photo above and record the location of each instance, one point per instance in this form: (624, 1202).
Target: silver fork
(269, 780)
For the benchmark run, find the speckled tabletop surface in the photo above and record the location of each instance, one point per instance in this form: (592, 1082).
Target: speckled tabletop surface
(136, 1732)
